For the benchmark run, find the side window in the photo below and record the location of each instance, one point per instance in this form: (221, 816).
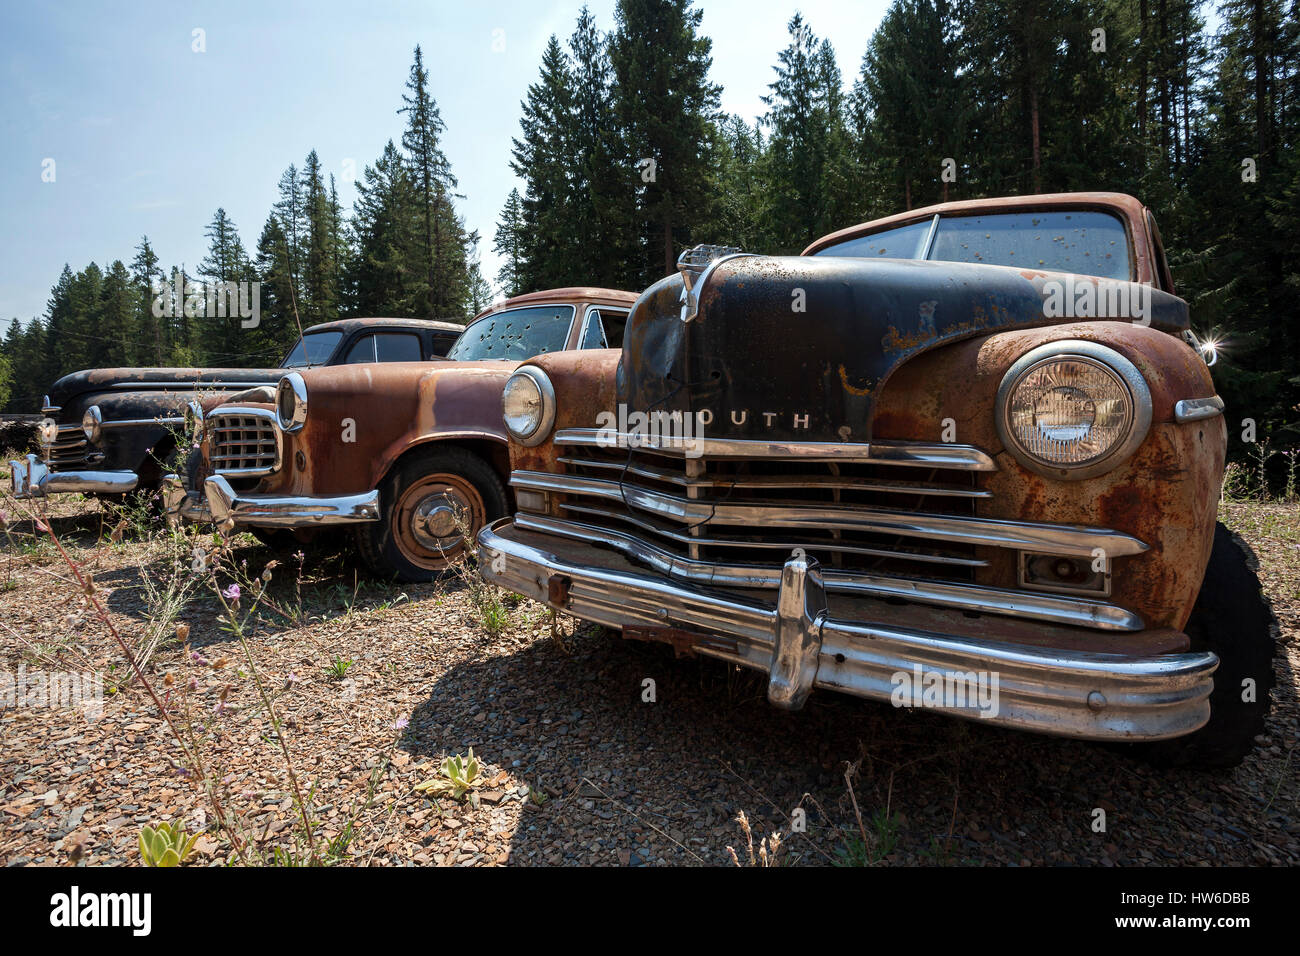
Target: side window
(443, 341)
(614, 322)
(363, 350)
(603, 329)
(397, 347)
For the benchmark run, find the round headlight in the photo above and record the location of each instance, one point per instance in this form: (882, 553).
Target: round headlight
(528, 405)
(48, 431)
(291, 402)
(91, 421)
(1073, 409)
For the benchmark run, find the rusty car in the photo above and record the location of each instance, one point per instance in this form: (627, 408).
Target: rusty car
(966, 457)
(113, 431)
(410, 456)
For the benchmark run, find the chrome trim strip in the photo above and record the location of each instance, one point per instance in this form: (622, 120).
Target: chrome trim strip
(1197, 409)
(1084, 694)
(215, 386)
(770, 543)
(1070, 540)
(1060, 609)
(918, 454)
(829, 482)
(229, 508)
(133, 422)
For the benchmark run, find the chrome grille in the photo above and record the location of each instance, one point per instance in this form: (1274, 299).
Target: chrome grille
(244, 441)
(894, 520)
(69, 451)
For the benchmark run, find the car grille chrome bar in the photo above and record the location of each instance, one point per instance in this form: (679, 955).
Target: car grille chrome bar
(245, 442)
(1060, 609)
(70, 449)
(913, 454)
(993, 532)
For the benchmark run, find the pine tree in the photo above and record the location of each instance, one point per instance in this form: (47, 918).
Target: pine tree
(319, 277)
(117, 317)
(383, 272)
(543, 158)
(665, 105)
(509, 243)
(809, 151)
(150, 348)
(221, 341)
(443, 279)
(292, 213)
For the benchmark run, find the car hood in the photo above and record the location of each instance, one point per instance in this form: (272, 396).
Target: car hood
(796, 347)
(63, 392)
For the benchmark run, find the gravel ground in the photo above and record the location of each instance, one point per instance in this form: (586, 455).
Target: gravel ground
(578, 768)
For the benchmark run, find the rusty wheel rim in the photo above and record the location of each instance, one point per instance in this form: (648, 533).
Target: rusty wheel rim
(429, 518)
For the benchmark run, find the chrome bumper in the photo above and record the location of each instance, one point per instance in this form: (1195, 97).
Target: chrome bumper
(182, 504)
(795, 639)
(32, 478)
(229, 509)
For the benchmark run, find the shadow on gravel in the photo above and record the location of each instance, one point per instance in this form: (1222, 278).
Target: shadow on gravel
(331, 581)
(82, 529)
(632, 781)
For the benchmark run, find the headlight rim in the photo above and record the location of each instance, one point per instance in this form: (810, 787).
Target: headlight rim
(1112, 361)
(292, 382)
(95, 428)
(546, 420)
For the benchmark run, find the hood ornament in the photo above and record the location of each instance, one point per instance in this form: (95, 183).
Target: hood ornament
(696, 265)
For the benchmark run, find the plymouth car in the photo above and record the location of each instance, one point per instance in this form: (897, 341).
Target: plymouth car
(968, 457)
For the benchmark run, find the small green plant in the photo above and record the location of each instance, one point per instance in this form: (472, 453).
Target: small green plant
(457, 777)
(166, 845)
(883, 839)
(337, 669)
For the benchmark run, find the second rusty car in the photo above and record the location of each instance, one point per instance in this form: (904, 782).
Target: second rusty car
(410, 456)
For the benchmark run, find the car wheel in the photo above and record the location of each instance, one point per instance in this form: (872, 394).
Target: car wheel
(1233, 619)
(431, 506)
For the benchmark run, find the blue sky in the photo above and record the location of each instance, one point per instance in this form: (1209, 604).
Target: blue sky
(150, 137)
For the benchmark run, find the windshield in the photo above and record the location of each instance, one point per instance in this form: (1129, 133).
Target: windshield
(1081, 241)
(515, 334)
(314, 348)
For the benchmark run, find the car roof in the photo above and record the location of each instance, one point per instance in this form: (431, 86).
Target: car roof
(349, 325)
(1121, 202)
(576, 295)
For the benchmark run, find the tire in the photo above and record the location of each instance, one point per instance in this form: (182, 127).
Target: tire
(1233, 619)
(417, 537)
